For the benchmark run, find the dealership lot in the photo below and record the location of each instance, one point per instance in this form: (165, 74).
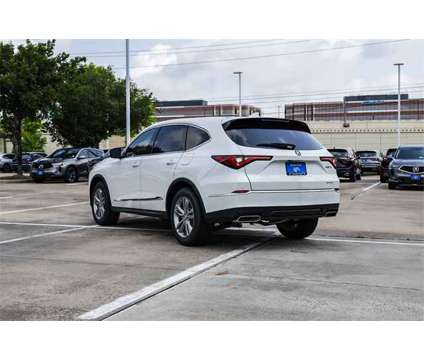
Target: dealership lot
(366, 263)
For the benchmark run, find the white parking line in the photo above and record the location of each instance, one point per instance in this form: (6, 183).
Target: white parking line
(406, 243)
(41, 235)
(83, 226)
(43, 208)
(364, 190)
(126, 301)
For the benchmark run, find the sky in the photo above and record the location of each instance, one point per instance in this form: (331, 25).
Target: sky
(277, 71)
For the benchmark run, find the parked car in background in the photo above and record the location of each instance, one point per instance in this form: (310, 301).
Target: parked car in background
(68, 164)
(27, 159)
(369, 160)
(209, 173)
(384, 165)
(407, 166)
(347, 164)
(6, 162)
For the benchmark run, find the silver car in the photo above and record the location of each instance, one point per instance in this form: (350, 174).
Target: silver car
(6, 161)
(407, 166)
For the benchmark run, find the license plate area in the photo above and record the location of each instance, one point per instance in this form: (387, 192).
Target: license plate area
(40, 172)
(297, 168)
(415, 177)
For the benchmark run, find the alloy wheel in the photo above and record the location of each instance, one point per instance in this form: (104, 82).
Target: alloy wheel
(99, 203)
(183, 216)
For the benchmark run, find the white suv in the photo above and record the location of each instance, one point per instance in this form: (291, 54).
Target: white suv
(209, 173)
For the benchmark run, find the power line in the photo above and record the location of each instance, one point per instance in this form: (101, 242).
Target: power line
(178, 48)
(271, 55)
(167, 52)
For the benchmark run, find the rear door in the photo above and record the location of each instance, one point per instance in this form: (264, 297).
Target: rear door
(295, 163)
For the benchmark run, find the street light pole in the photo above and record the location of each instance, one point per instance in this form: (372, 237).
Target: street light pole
(239, 78)
(399, 104)
(127, 93)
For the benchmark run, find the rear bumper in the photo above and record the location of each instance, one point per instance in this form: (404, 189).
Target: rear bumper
(272, 199)
(272, 213)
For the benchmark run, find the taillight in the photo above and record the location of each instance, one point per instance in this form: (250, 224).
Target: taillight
(238, 161)
(330, 159)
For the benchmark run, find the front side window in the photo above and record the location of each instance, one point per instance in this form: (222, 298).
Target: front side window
(195, 137)
(170, 138)
(142, 145)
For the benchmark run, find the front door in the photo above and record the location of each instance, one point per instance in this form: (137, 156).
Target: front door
(157, 170)
(126, 189)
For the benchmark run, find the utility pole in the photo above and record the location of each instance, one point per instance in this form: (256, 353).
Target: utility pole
(127, 93)
(399, 103)
(239, 79)
(279, 111)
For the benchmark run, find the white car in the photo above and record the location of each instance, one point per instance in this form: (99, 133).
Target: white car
(209, 173)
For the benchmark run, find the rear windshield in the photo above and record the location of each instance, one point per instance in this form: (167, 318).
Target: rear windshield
(410, 153)
(267, 134)
(363, 154)
(338, 152)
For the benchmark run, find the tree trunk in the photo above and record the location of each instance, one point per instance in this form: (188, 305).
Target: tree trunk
(17, 144)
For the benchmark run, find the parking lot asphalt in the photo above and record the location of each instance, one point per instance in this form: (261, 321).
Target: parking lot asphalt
(366, 263)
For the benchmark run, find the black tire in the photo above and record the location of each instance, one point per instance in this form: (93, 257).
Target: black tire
(199, 232)
(352, 177)
(106, 217)
(7, 168)
(38, 180)
(71, 175)
(392, 185)
(358, 174)
(383, 179)
(298, 229)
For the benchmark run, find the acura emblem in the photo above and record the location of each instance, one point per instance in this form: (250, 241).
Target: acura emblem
(41, 166)
(298, 153)
(416, 169)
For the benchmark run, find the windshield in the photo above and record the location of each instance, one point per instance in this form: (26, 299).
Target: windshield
(338, 152)
(364, 154)
(64, 153)
(410, 153)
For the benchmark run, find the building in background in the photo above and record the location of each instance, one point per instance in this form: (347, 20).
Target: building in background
(362, 107)
(363, 122)
(167, 110)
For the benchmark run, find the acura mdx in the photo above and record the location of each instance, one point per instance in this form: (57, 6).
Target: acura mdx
(209, 173)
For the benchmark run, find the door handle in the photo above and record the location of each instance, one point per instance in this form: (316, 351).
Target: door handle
(135, 165)
(170, 163)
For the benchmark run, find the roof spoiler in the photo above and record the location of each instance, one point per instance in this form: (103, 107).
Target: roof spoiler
(266, 122)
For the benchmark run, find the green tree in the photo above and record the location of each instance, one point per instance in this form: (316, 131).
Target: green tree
(91, 107)
(30, 75)
(142, 108)
(32, 136)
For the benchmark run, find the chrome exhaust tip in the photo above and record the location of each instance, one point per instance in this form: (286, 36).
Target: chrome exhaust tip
(248, 219)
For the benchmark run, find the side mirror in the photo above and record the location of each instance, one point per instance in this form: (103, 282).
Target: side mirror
(115, 153)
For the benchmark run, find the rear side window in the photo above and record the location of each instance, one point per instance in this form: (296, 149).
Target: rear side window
(271, 134)
(170, 138)
(195, 137)
(142, 145)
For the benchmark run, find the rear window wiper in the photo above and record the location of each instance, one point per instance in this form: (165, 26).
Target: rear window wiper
(284, 146)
